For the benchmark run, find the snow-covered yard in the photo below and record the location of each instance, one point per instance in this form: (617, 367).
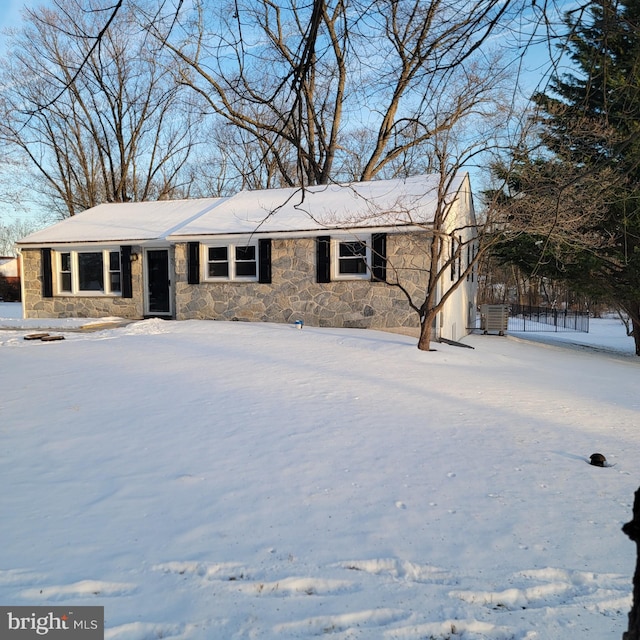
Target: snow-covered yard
(213, 481)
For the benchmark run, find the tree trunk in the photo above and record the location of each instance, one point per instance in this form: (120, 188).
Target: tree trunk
(636, 334)
(633, 311)
(632, 529)
(426, 329)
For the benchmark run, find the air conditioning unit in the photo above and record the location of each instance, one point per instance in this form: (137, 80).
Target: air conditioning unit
(494, 317)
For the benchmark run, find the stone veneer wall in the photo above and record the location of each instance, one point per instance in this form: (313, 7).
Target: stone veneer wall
(35, 306)
(294, 293)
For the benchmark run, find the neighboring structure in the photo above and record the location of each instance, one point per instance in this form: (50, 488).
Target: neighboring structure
(10, 268)
(9, 278)
(325, 255)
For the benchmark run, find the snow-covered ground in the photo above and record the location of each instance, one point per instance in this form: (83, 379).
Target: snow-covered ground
(213, 481)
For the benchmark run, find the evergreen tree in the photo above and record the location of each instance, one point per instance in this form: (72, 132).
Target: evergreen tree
(585, 182)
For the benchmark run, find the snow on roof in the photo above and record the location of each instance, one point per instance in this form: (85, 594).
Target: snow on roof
(379, 203)
(129, 221)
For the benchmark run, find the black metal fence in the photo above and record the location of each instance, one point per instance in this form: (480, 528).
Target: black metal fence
(526, 318)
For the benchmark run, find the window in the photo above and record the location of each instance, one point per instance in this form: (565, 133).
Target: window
(65, 272)
(218, 262)
(232, 262)
(89, 272)
(351, 259)
(246, 266)
(115, 279)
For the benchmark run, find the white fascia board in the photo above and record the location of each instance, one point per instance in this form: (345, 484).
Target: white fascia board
(92, 244)
(74, 246)
(311, 233)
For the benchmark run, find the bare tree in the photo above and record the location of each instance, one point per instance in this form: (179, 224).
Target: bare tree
(12, 196)
(12, 231)
(98, 120)
(244, 162)
(304, 81)
(336, 90)
(454, 246)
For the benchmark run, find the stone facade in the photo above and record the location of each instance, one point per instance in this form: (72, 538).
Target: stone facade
(97, 306)
(294, 294)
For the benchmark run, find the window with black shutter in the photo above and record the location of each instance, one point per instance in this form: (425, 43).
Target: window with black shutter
(230, 261)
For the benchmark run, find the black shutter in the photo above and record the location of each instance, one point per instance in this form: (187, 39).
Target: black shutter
(379, 257)
(47, 275)
(323, 259)
(193, 263)
(264, 260)
(125, 271)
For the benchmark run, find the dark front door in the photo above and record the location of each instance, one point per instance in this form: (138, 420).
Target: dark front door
(158, 282)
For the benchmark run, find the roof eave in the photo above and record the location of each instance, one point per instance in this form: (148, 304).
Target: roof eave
(102, 243)
(303, 233)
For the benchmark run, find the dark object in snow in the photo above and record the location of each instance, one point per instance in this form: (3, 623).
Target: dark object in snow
(454, 343)
(43, 337)
(632, 529)
(598, 460)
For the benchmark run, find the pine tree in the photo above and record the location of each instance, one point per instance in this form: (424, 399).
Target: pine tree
(587, 177)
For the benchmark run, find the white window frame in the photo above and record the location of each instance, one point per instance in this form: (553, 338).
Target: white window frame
(64, 271)
(231, 261)
(109, 271)
(335, 257)
(75, 272)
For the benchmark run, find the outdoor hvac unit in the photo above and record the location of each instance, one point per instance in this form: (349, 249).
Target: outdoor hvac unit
(494, 317)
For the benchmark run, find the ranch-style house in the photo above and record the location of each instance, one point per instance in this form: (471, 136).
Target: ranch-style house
(324, 255)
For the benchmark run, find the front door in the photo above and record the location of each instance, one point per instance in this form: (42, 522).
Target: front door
(158, 282)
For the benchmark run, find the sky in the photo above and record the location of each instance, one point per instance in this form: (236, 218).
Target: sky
(10, 12)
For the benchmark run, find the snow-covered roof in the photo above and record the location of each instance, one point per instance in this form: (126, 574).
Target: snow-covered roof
(123, 222)
(378, 203)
